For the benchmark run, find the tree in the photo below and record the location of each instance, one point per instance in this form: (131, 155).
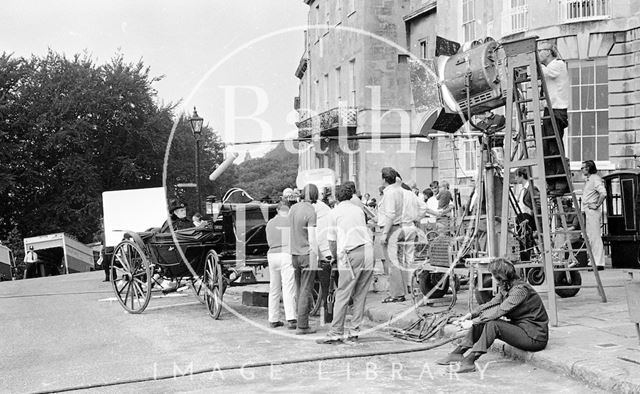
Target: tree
(181, 165)
(71, 130)
(268, 175)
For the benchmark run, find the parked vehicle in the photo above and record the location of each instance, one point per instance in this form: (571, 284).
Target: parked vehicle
(7, 263)
(57, 254)
(207, 258)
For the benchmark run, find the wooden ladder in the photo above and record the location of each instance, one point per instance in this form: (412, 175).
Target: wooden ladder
(527, 94)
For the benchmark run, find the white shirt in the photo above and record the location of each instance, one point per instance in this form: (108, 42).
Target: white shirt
(400, 207)
(322, 227)
(523, 207)
(30, 257)
(390, 208)
(432, 204)
(347, 227)
(593, 189)
(557, 78)
(413, 208)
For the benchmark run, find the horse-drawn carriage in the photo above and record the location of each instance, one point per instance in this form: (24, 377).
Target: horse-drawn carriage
(207, 258)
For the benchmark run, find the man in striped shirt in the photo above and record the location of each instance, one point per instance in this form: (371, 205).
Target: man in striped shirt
(527, 327)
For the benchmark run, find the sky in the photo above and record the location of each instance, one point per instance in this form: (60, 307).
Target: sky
(184, 41)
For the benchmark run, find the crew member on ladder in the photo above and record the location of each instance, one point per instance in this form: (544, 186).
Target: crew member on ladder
(556, 77)
(593, 195)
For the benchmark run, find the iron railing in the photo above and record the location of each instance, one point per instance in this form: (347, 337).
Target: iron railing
(583, 10)
(328, 120)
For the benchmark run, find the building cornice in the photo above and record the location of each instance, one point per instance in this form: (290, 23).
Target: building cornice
(421, 11)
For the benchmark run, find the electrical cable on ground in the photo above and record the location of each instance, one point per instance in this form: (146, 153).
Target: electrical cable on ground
(263, 364)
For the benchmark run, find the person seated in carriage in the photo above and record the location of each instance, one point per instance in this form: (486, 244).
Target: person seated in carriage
(178, 217)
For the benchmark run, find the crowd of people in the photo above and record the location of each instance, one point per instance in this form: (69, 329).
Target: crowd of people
(309, 236)
(319, 235)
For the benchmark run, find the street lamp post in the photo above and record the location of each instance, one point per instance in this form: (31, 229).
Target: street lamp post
(196, 128)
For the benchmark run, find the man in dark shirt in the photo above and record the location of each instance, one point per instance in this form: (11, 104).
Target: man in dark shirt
(303, 219)
(444, 198)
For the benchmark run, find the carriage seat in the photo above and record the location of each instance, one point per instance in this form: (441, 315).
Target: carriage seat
(195, 235)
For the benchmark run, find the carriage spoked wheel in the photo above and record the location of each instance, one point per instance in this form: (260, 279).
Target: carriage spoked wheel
(214, 284)
(131, 276)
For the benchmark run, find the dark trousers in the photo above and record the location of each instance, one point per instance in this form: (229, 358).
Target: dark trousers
(550, 147)
(106, 267)
(324, 276)
(304, 277)
(481, 336)
(526, 225)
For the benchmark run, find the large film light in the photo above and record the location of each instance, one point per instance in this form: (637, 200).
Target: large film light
(470, 83)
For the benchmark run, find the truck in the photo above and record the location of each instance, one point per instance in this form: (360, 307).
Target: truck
(7, 263)
(57, 254)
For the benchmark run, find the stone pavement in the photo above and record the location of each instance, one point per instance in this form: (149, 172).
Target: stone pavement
(96, 343)
(594, 342)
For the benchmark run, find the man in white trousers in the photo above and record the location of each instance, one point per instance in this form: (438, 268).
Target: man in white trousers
(281, 273)
(593, 196)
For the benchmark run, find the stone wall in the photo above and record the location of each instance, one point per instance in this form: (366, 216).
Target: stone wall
(624, 99)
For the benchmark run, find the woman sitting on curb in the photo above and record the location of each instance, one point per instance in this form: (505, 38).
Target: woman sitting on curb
(526, 328)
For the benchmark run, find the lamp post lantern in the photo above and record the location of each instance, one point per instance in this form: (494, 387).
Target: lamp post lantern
(196, 128)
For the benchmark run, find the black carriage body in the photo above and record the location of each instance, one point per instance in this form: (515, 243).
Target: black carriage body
(237, 235)
(623, 217)
(192, 245)
(204, 257)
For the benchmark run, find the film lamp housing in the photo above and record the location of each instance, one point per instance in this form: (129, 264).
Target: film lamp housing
(472, 81)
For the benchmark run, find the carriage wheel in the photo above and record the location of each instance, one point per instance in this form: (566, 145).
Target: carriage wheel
(562, 280)
(131, 276)
(429, 280)
(214, 283)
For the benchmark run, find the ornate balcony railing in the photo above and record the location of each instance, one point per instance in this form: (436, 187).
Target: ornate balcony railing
(515, 20)
(583, 10)
(327, 121)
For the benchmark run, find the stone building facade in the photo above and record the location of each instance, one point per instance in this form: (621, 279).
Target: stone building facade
(599, 41)
(356, 84)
